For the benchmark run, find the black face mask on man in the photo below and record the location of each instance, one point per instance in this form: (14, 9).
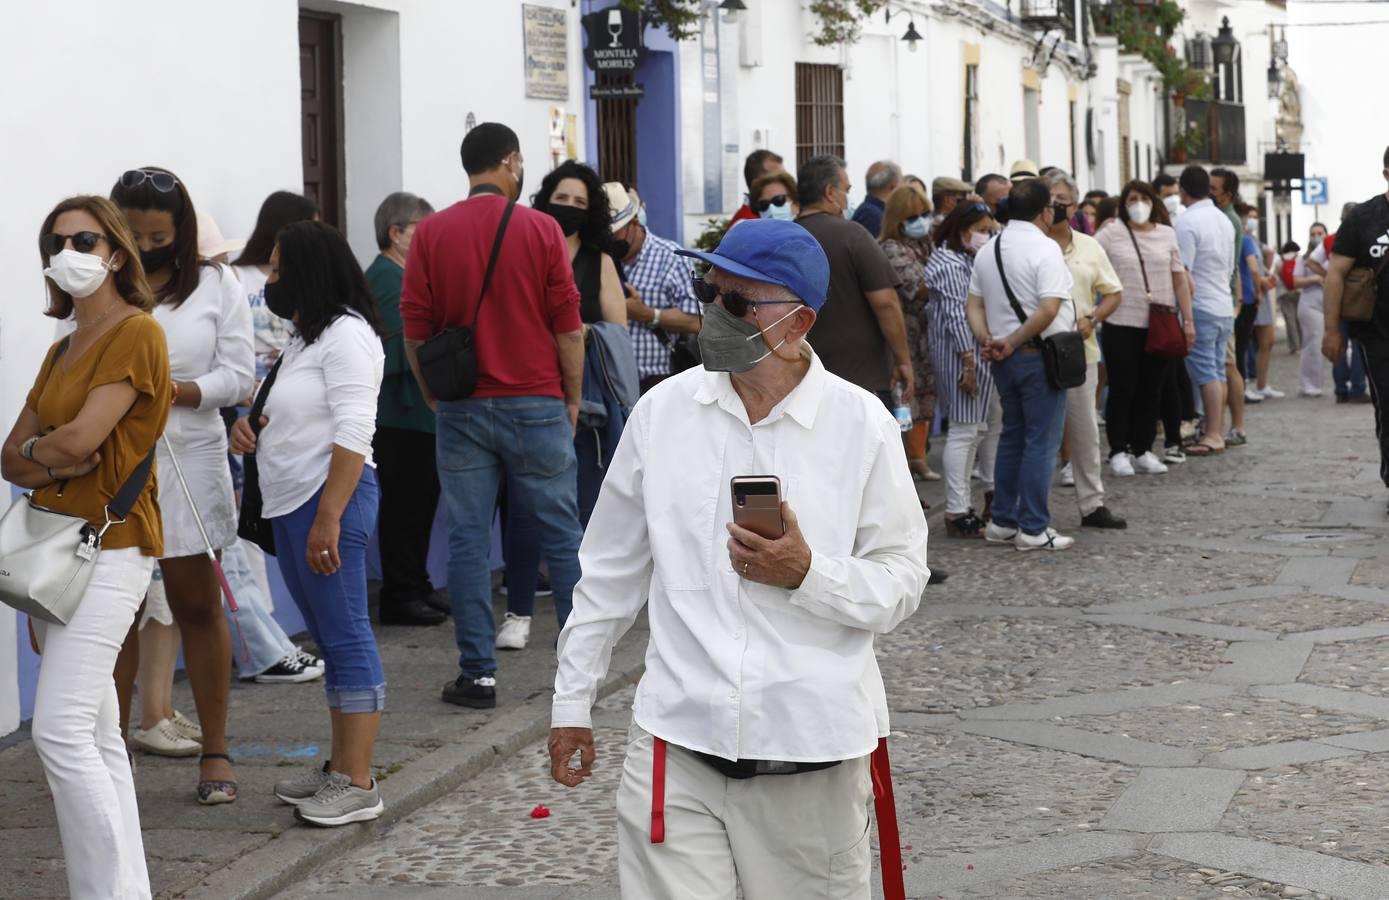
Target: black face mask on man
(1058, 213)
(278, 300)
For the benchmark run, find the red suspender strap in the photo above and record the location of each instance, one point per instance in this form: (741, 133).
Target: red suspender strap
(658, 791)
(889, 842)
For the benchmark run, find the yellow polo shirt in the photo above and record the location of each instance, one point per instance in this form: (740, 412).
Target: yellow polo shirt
(1093, 276)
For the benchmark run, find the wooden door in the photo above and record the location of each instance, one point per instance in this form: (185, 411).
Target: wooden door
(320, 99)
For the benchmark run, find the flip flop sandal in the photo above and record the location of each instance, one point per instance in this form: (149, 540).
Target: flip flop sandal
(213, 793)
(1201, 448)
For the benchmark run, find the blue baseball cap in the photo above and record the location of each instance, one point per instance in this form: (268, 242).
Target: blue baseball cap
(776, 252)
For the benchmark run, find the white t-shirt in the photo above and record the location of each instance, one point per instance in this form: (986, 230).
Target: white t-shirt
(1036, 269)
(324, 395)
(272, 333)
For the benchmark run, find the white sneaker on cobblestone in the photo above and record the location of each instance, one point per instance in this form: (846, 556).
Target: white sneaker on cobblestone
(1272, 393)
(1121, 465)
(1047, 540)
(187, 727)
(164, 740)
(514, 633)
(340, 802)
(998, 534)
(1068, 476)
(1174, 456)
(1148, 464)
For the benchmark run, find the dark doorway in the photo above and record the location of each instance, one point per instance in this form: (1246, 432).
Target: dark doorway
(320, 93)
(617, 133)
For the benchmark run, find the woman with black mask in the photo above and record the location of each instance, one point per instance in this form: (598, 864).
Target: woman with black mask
(573, 194)
(207, 324)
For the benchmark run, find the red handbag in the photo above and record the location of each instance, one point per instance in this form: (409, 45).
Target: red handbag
(1165, 338)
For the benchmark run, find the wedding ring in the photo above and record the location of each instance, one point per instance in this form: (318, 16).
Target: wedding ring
(323, 553)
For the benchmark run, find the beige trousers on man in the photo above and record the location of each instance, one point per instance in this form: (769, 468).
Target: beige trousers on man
(1083, 437)
(802, 836)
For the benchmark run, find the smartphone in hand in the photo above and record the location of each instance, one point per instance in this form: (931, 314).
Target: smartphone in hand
(757, 505)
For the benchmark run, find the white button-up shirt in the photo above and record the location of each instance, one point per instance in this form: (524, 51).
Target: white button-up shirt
(1207, 241)
(1036, 269)
(735, 668)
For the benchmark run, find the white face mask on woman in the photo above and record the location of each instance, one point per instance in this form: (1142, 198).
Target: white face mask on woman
(977, 240)
(78, 274)
(1139, 212)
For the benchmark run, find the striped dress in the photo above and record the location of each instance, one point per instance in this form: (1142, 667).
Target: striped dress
(949, 335)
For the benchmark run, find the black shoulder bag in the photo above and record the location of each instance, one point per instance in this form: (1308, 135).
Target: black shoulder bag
(1063, 354)
(250, 524)
(448, 361)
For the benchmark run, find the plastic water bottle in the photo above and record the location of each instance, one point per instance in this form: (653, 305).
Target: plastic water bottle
(900, 410)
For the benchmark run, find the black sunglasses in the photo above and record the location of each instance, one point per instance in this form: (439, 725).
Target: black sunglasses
(83, 242)
(762, 206)
(162, 181)
(736, 304)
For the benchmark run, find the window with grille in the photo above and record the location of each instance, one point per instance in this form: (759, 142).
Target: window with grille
(819, 111)
(971, 130)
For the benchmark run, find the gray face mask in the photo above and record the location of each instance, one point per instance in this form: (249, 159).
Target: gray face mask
(730, 344)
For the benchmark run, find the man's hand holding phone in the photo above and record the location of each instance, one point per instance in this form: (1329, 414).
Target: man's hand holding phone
(782, 563)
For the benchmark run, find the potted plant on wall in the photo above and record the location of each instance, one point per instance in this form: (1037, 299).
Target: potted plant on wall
(1185, 143)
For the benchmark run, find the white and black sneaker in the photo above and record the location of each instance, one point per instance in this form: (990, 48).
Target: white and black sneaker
(290, 670)
(308, 659)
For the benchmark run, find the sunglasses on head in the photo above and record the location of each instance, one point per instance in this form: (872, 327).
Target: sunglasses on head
(83, 242)
(736, 304)
(161, 181)
(762, 206)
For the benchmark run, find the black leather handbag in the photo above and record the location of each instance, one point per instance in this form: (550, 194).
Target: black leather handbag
(250, 524)
(1063, 354)
(448, 361)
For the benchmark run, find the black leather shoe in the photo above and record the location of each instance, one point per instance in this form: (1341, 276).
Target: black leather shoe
(439, 600)
(411, 612)
(938, 576)
(1103, 518)
(476, 693)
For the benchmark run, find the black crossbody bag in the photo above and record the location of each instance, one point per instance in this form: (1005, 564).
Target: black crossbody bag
(250, 524)
(1063, 354)
(448, 361)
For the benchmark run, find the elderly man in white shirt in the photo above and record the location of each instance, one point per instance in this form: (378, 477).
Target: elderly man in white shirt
(1034, 411)
(747, 761)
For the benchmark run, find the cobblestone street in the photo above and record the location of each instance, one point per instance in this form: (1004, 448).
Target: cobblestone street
(1193, 708)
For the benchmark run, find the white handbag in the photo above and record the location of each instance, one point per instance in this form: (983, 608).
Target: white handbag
(47, 557)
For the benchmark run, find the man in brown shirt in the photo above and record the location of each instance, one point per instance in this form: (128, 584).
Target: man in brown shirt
(860, 334)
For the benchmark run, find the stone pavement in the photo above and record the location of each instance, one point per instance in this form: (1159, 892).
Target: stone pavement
(1194, 708)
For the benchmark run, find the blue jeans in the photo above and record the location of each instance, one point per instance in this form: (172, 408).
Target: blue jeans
(527, 441)
(1034, 413)
(335, 606)
(258, 641)
(1348, 373)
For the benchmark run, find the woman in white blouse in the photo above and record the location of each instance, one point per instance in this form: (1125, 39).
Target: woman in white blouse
(319, 492)
(208, 326)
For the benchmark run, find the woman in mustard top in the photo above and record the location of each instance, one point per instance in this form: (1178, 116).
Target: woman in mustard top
(94, 413)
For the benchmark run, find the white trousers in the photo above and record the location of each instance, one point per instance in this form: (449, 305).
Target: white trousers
(779, 836)
(988, 447)
(1083, 436)
(1312, 372)
(76, 731)
(961, 444)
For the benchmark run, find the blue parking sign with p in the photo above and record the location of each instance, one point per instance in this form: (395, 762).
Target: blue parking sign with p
(1314, 192)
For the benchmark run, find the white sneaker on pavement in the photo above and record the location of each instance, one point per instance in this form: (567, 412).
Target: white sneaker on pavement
(1311, 392)
(998, 534)
(1047, 540)
(1174, 455)
(514, 633)
(1252, 395)
(164, 740)
(1121, 464)
(1148, 464)
(1272, 393)
(1068, 477)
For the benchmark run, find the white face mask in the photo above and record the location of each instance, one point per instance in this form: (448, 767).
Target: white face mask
(1139, 212)
(1251, 227)
(78, 274)
(1173, 204)
(977, 241)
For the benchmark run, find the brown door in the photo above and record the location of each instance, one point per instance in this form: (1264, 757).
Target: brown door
(320, 83)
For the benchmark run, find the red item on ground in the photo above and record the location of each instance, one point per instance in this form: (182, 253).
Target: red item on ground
(541, 811)
(658, 791)
(889, 841)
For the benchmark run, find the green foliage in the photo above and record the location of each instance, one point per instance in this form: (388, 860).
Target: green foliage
(840, 21)
(708, 241)
(1146, 30)
(680, 18)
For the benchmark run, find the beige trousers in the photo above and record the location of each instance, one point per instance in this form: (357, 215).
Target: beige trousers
(802, 836)
(1083, 434)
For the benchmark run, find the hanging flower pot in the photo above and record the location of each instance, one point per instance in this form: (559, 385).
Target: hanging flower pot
(1178, 99)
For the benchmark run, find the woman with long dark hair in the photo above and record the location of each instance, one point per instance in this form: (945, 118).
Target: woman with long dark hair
(1143, 249)
(313, 455)
(252, 268)
(212, 364)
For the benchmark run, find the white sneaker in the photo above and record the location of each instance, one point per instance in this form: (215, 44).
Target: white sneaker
(1148, 464)
(1121, 464)
(1068, 476)
(998, 534)
(1271, 392)
(164, 740)
(1311, 392)
(514, 633)
(1047, 540)
(1252, 395)
(1174, 456)
(187, 727)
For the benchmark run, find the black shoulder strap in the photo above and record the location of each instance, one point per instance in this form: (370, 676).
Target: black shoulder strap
(492, 261)
(1141, 267)
(258, 405)
(125, 498)
(1007, 288)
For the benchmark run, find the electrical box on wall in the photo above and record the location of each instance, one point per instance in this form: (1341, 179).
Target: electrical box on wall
(750, 36)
